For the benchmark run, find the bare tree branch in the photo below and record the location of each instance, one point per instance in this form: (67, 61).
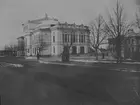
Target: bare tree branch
(117, 27)
(98, 33)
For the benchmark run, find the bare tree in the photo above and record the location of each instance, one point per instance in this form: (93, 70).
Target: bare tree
(117, 28)
(42, 44)
(98, 35)
(136, 22)
(11, 49)
(70, 40)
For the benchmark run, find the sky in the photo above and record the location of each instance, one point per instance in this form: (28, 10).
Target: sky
(13, 13)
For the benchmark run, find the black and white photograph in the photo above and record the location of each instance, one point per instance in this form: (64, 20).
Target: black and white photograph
(69, 52)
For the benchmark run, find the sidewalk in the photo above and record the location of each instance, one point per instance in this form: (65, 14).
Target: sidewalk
(82, 60)
(73, 61)
(101, 64)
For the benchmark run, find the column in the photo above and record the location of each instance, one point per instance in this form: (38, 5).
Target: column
(85, 49)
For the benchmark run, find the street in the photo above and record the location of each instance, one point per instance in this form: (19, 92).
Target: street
(46, 84)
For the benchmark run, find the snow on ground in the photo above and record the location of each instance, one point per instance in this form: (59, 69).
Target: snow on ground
(4, 64)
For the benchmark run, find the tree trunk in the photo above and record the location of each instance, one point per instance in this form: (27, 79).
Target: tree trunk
(96, 51)
(118, 50)
(66, 54)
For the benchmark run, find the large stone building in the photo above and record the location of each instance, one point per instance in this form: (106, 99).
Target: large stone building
(51, 35)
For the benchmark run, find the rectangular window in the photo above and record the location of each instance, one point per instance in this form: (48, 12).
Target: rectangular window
(132, 49)
(80, 38)
(67, 38)
(53, 38)
(132, 41)
(63, 37)
(84, 39)
(75, 38)
(36, 50)
(33, 50)
(54, 49)
(28, 50)
(71, 38)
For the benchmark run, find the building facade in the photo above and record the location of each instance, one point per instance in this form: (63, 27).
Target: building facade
(132, 46)
(49, 36)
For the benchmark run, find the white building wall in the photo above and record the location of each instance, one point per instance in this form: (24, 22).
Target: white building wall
(86, 49)
(78, 49)
(46, 51)
(27, 44)
(57, 44)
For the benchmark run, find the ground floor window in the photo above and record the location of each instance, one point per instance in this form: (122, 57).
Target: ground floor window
(82, 50)
(74, 49)
(54, 49)
(35, 51)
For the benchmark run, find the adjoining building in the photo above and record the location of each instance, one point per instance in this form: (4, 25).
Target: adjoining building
(52, 35)
(130, 46)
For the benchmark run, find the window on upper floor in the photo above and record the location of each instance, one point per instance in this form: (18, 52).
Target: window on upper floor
(76, 38)
(128, 41)
(82, 38)
(68, 36)
(63, 37)
(73, 38)
(53, 39)
(132, 41)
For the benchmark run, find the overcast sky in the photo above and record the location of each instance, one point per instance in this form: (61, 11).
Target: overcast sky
(15, 12)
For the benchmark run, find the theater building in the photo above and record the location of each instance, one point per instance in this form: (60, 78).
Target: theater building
(52, 35)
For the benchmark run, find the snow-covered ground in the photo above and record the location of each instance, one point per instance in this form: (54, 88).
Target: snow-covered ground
(4, 64)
